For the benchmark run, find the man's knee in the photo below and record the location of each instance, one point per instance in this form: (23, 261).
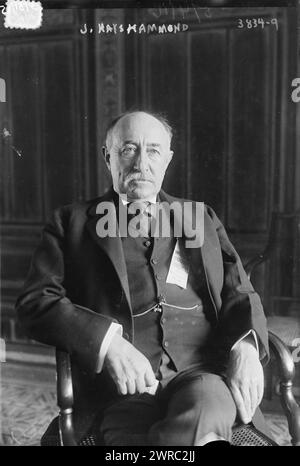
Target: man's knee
(196, 408)
(217, 411)
(215, 403)
(207, 392)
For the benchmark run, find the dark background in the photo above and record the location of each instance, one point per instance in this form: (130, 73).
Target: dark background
(226, 91)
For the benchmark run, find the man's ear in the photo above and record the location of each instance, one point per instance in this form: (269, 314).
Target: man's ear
(106, 156)
(171, 153)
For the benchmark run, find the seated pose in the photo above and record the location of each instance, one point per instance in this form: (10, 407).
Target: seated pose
(145, 291)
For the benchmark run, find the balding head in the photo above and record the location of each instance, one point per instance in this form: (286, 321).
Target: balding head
(140, 115)
(138, 153)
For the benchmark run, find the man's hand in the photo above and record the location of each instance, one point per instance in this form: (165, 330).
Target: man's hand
(245, 379)
(129, 368)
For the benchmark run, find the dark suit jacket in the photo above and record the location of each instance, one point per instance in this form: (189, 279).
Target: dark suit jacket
(77, 286)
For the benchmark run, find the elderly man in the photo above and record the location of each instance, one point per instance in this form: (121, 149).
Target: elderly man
(166, 337)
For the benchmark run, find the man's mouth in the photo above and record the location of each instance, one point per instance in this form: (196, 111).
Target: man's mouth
(139, 180)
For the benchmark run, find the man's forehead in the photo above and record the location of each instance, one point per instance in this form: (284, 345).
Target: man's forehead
(140, 125)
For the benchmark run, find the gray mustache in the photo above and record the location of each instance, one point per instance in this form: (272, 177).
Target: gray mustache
(137, 177)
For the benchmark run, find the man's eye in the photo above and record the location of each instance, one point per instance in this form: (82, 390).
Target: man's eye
(128, 150)
(153, 151)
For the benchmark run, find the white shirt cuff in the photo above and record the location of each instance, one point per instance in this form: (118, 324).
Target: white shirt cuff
(112, 330)
(250, 332)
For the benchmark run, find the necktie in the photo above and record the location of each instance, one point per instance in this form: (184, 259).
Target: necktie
(139, 219)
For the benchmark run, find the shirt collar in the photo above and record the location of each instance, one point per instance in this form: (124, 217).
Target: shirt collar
(124, 200)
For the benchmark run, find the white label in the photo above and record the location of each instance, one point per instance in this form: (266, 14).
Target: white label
(23, 14)
(179, 269)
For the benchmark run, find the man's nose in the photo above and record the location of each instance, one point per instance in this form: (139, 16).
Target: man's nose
(141, 160)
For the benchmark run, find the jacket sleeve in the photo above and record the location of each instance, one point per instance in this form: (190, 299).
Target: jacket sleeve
(241, 308)
(44, 309)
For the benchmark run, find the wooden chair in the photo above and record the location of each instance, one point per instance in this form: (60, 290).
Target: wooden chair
(282, 256)
(282, 281)
(243, 434)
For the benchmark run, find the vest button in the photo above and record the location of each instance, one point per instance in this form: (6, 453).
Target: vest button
(154, 261)
(159, 277)
(147, 243)
(163, 320)
(166, 344)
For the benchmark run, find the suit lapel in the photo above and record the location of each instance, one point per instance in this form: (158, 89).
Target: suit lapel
(112, 246)
(200, 258)
(183, 223)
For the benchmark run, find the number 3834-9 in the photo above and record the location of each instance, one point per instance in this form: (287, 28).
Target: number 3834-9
(252, 23)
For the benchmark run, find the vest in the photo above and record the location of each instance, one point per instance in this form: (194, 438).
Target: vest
(167, 319)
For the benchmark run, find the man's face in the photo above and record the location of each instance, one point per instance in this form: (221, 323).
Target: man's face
(138, 155)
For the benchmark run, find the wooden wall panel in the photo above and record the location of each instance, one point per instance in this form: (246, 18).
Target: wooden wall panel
(220, 113)
(46, 81)
(231, 109)
(166, 92)
(4, 158)
(60, 112)
(248, 157)
(109, 81)
(25, 168)
(208, 117)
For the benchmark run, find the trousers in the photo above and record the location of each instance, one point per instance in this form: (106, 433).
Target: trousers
(191, 406)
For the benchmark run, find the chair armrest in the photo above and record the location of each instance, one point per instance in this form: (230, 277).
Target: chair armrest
(65, 398)
(286, 368)
(281, 352)
(270, 247)
(254, 262)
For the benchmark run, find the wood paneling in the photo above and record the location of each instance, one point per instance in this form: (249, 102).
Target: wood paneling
(46, 79)
(25, 169)
(109, 87)
(208, 116)
(4, 158)
(224, 90)
(60, 114)
(45, 76)
(166, 88)
(248, 157)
